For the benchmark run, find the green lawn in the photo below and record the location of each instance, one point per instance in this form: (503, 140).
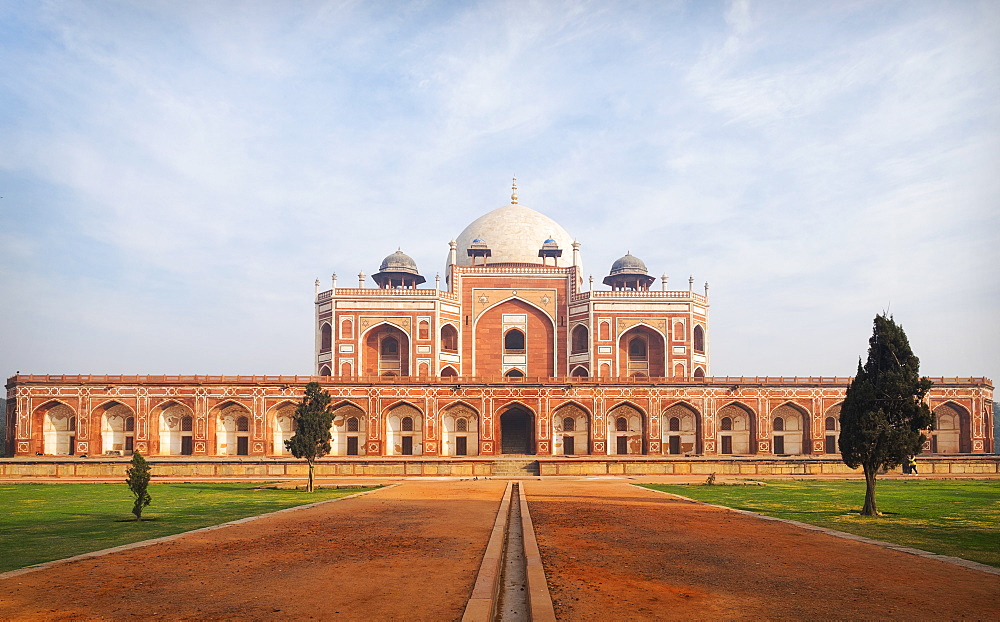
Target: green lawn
(960, 518)
(42, 522)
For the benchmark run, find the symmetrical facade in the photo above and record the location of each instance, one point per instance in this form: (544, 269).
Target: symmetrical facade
(510, 355)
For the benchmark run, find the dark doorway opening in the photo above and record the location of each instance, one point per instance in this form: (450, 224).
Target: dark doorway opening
(675, 444)
(569, 447)
(622, 447)
(72, 445)
(352, 445)
(242, 446)
(407, 445)
(461, 446)
(187, 446)
(779, 445)
(516, 432)
(831, 444)
(727, 444)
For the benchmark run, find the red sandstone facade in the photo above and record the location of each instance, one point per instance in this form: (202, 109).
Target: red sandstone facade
(511, 357)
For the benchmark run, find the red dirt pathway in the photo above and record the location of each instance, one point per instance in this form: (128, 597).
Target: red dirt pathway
(613, 551)
(410, 552)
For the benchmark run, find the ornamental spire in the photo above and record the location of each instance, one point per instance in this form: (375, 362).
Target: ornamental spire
(513, 191)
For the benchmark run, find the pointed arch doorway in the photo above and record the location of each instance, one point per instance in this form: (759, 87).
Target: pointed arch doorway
(517, 427)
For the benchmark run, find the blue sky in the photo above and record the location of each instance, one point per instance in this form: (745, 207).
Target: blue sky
(176, 174)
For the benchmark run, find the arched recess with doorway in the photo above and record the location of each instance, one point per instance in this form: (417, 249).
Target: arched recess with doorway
(57, 422)
(517, 430)
(496, 340)
(404, 431)
(790, 430)
(175, 429)
(699, 339)
(449, 372)
(737, 425)
(641, 352)
(680, 427)
(232, 429)
(117, 429)
(326, 337)
(571, 430)
(580, 339)
(348, 430)
(580, 371)
(626, 430)
(951, 433)
(324, 371)
(831, 430)
(281, 424)
(460, 425)
(449, 339)
(386, 352)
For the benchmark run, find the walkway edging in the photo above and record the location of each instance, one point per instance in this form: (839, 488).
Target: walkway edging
(482, 603)
(958, 561)
(162, 539)
(539, 599)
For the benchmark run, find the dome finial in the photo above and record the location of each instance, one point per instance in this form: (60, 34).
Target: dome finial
(513, 191)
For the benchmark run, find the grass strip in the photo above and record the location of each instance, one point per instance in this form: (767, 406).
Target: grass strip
(44, 522)
(960, 518)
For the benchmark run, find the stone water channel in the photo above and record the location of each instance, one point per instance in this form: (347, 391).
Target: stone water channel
(512, 604)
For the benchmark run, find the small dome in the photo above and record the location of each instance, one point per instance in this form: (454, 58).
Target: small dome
(629, 264)
(478, 241)
(398, 262)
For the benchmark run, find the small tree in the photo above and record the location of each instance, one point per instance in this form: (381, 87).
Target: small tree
(884, 412)
(138, 482)
(313, 418)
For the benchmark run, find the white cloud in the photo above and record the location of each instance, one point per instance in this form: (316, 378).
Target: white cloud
(814, 162)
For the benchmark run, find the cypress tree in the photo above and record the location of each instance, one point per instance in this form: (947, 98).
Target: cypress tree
(884, 411)
(313, 418)
(138, 482)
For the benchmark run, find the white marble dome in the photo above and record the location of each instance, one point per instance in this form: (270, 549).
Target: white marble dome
(514, 234)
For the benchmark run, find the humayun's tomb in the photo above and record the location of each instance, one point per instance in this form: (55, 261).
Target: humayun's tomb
(510, 355)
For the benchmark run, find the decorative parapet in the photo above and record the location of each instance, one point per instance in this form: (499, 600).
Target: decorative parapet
(731, 381)
(343, 292)
(645, 295)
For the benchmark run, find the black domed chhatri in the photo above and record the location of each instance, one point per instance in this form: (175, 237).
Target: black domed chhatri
(629, 273)
(398, 270)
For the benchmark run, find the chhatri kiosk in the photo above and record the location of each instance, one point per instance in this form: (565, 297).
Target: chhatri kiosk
(513, 353)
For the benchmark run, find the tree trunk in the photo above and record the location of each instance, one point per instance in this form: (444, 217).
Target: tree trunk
(870, 508)
(309, 486)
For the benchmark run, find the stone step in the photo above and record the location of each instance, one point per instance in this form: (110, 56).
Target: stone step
(515, 468)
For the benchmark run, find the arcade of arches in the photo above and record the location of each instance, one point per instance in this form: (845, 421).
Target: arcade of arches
(466, 420)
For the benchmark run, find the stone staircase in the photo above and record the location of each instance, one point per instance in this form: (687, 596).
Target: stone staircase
(514, 468)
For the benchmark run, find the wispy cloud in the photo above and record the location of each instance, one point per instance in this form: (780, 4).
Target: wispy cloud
(175, 175)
